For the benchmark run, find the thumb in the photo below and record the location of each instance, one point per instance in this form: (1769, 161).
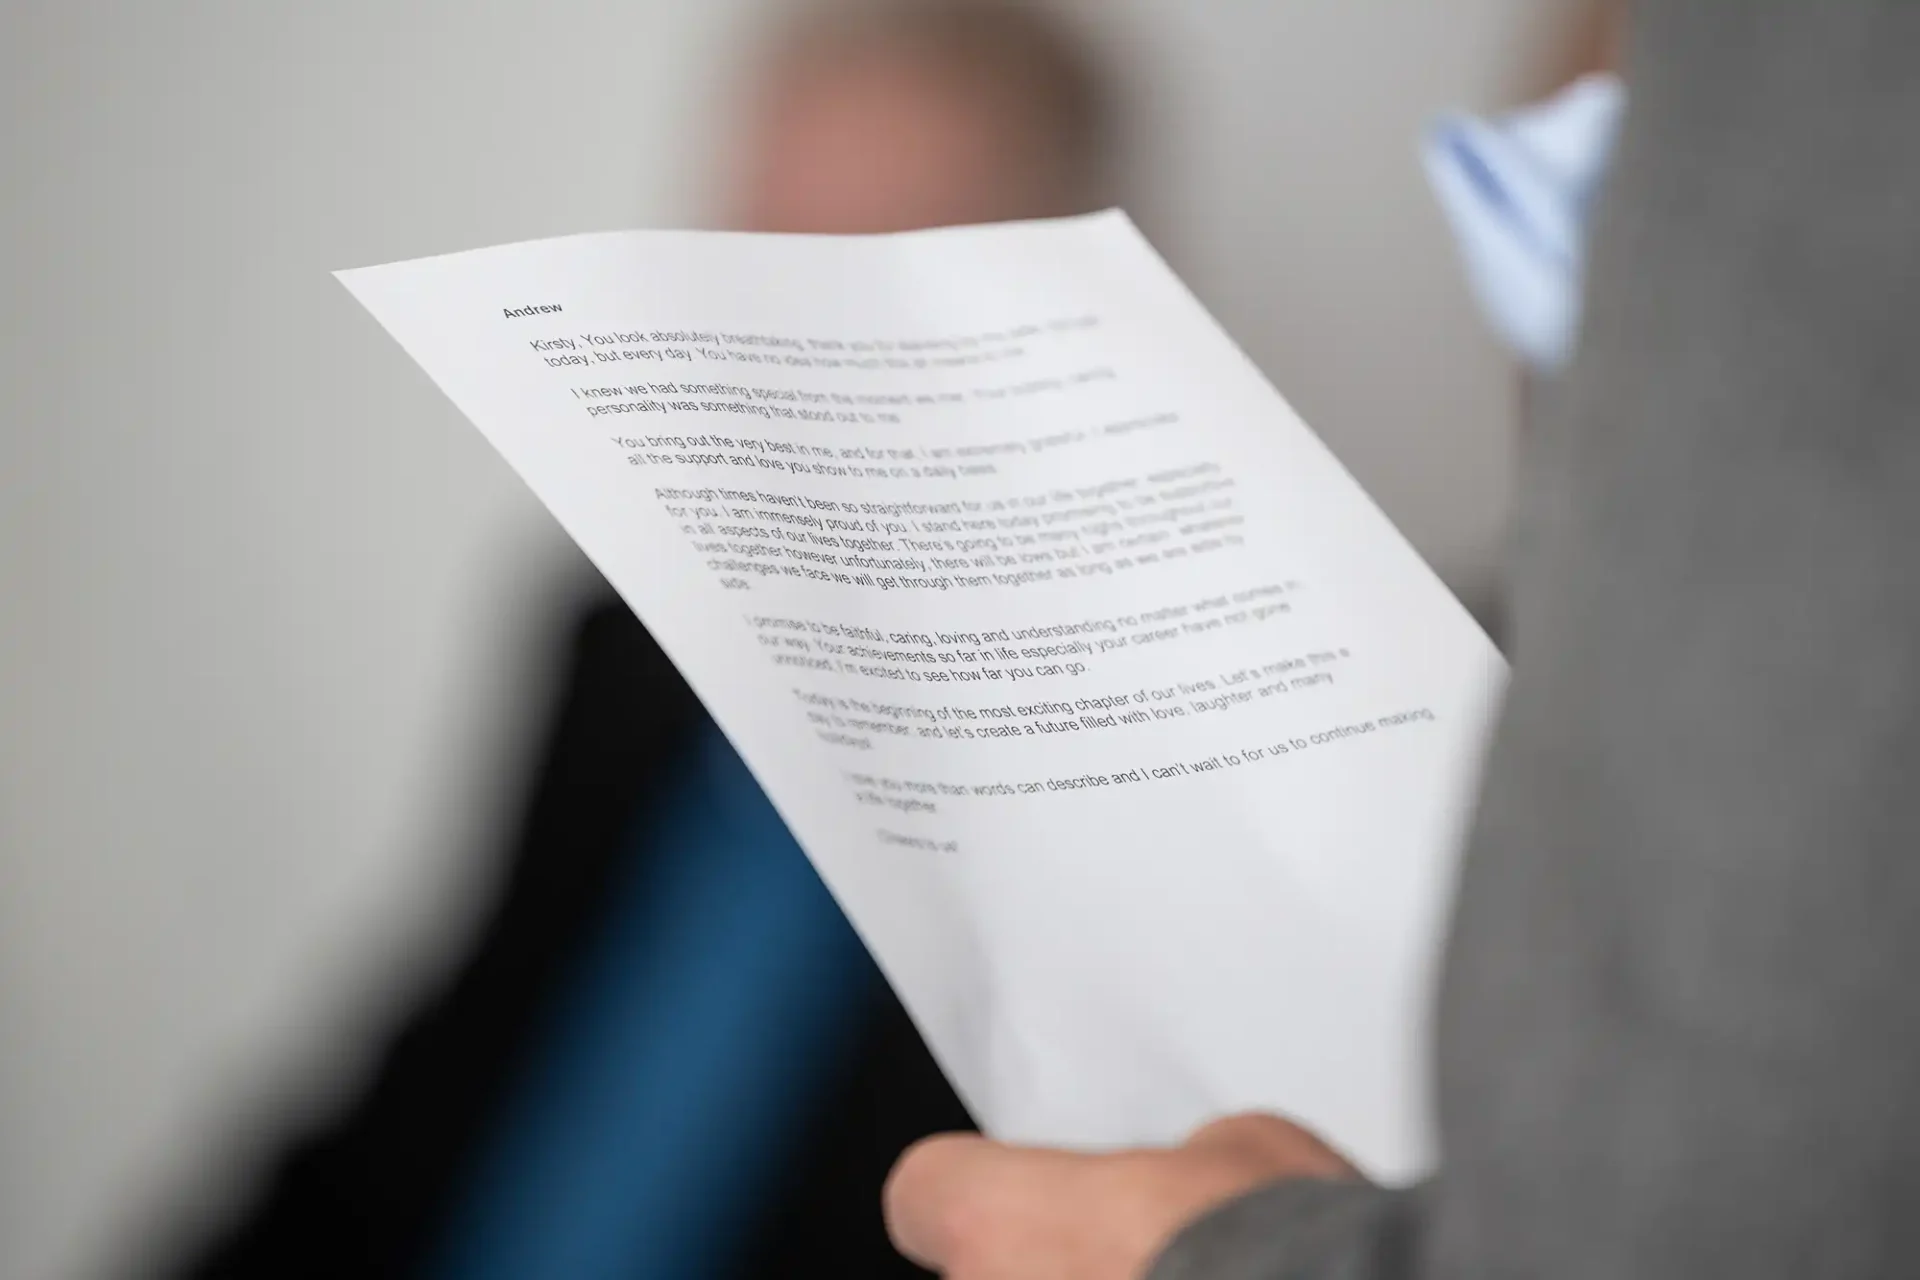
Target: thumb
(960, 1192)
(1273, 1145)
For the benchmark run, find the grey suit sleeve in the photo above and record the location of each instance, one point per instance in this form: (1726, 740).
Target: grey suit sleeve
(1679, 1030)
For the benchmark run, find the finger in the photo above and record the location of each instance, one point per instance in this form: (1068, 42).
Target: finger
(928, 1189)
(960, 1195)
(1285, 1148)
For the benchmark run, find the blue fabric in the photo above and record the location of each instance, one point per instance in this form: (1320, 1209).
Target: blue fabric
(679, 1072)
(1517, 192)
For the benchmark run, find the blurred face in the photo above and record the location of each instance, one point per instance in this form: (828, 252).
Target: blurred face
(889, 143)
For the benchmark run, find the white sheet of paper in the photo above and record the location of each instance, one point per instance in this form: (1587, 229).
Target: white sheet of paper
(1130, 734)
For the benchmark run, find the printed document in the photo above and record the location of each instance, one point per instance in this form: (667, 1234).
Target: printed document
(1134, 740)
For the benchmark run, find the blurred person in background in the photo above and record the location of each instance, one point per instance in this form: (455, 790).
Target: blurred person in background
(666, 1054)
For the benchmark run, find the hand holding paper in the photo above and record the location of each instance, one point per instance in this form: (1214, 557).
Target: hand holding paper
(1129, 733)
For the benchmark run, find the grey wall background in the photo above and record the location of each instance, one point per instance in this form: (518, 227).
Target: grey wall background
(263, 595)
